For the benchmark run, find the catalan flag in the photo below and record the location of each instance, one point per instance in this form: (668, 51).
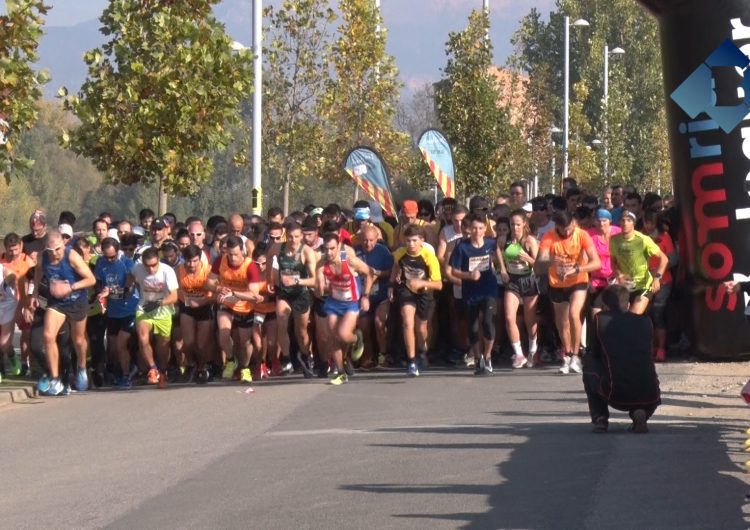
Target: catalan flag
(368, 170)
(436, 152)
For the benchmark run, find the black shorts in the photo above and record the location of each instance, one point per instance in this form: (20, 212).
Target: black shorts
(425, 303)
(239, 320)
(300, 302)
(645, 293)
(117, 325)
(75, 311)
(261, 318)
(522, 286)
(200, 314)
(317, 307)
(561, 295)
(595, 297)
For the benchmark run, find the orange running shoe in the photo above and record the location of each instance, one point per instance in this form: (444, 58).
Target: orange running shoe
(153, 376)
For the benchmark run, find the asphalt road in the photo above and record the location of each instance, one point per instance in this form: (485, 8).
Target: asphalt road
(446, 450)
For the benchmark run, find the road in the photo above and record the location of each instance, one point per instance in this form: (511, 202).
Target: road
(446, 450)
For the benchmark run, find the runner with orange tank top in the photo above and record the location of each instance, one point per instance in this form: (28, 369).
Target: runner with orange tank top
(230, 278)
(15, 261)
(196, 309)
(264, 318)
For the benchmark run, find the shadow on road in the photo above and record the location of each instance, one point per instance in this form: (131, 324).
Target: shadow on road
(561, 476)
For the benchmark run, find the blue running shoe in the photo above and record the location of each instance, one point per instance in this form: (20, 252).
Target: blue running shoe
(412, 371)
(42, 385)
(123, 383)
(82, 380)
(55, 388)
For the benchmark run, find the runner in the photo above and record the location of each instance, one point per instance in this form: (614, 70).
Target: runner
(471, 262)
(631, 251)
(654, 225)
(69, 278)
(111, 272)
(416, 275)
(517, 257)
(35, 242)
(264, 315)
(336, 277)
(196, 310)
(157, 284)
(601, 235)
(291, 277)
(230, 278)
(8, 307)
(19, 263)
(568, 255)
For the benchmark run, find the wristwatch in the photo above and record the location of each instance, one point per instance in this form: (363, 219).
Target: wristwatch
(657, 276)
(296, 281)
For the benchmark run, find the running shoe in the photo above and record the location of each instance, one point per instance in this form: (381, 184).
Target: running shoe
(565, 368)
(423, 361)
(55, 388)
(575, 364)
(639, 422)
(82, 380)
(66, 390)
(488, 367)
(469, 360)
(358, 348)
(519, 360)
(15, 365)
(306, 362)
(264, 374)
(2, 373)
(600, 425)
(276, 369)
(42, 385)
(480, 367)
(124, 383)
(531, 360)
(287, 368)
(382, 361)
(339, 380)
(348, 367)
(25, 369)
(201, 376)
(98, 378)
(163, 380)
(412, 370)
(246, 376)
(229, 369)
(153, 376)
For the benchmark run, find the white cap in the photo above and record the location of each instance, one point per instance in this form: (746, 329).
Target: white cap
(527, 207)
(65, 229)
(138, 230)
(376, 212)
(112, 232)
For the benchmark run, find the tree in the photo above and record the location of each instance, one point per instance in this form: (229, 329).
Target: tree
(161, 97)
(20, 85)
(360, 101)
(414, 116)
(474, 122)
(298, 67)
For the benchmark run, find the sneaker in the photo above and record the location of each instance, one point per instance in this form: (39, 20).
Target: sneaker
(412, 370)
(358, 348)
(55, 388)
(124, 383)
(469, 360)
(276, 369)
(519, 360)
(348, 367)
(43, 384)
(488, 367)
(66, 390)
(98, 378)
(306, 362)
(660, 355)
(245, 376)
(25, 370)
(639, 422)
(565, 368)
(287, 368)
(229, 369)
(480, 366)
(600, 425)
(423, 361)
(531, 360)
(575, 364)
(382, 361)
(201, 377)
(339, 380)
(264, 374)
(82, 380)
(15, 365)
(153, 376)
(163, 379)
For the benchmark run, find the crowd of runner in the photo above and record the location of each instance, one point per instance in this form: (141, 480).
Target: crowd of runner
(326, 291)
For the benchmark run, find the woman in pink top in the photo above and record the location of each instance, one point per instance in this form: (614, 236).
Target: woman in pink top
(600, 234)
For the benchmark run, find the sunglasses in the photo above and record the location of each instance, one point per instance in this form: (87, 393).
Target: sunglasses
(196, 234)
(275, 238)
(55, 249)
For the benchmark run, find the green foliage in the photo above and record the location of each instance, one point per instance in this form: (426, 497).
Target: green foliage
(483, 140)
(637, 139)
(161, 97)
(360, 101)
(20, 85)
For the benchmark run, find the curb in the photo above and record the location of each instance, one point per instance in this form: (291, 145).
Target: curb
(16, 392)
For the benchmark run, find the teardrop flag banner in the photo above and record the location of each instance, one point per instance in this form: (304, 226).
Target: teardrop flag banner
(436, 152)
(368, 170)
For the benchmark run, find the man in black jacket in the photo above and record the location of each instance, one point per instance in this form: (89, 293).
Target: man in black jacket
(620, 372)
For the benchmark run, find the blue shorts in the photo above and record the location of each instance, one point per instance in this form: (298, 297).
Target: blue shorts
(338, 307)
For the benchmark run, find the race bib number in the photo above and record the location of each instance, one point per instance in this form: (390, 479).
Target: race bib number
(479, 263)
(42, 302)
(259, 318)
(413, 274)
(341, 294)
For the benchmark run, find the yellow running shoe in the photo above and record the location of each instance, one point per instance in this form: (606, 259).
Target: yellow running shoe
(246, 376)
(229, 369)
(339, 380)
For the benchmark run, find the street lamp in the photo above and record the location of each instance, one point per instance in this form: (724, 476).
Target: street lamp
(257, 191)
(607, 52)
(553, 131)
(566, 101)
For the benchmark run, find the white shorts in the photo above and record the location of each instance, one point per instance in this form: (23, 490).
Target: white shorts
(8, 312)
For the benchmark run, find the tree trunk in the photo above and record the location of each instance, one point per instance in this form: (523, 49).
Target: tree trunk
(162, 198)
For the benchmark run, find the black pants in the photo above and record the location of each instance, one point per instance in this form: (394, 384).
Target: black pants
(481, 313)
(593, 374)
(96, 326)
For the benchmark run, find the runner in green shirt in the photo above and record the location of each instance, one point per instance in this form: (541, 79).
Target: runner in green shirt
(630, 251)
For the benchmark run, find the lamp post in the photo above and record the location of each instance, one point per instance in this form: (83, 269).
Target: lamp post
(257, 190)
(553, 131)
(566, 100)
(607, 52)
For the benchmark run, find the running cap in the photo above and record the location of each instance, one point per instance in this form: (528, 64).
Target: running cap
(601, 213)
(527, 207)
(376, 212)
(362, 214)
(139, 231)
(410, 207)
(65, 230)
(158, 224)
(112, 232)
(316, 211)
